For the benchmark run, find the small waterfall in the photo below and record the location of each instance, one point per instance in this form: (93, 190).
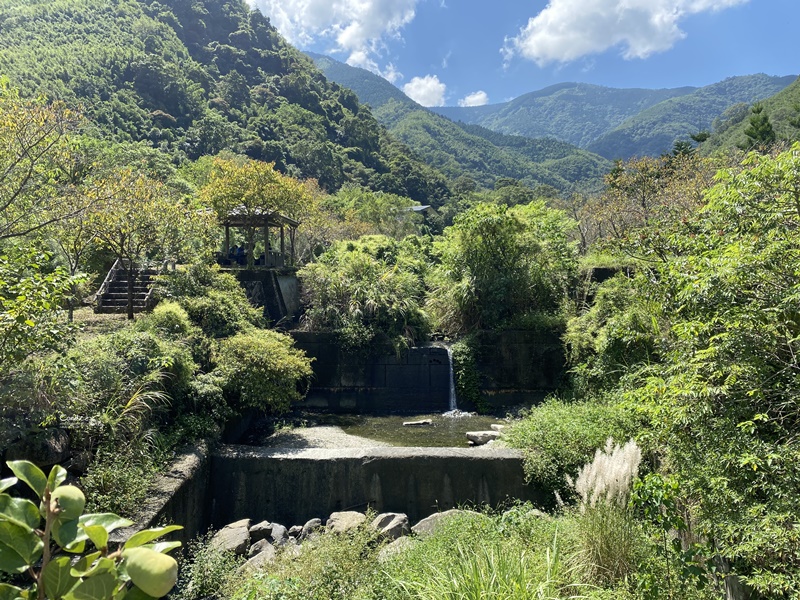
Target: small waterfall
(452, 406)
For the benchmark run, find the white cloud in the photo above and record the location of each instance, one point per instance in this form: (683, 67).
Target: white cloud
(478, 98)
(357, 27)
(570, 29)
(428, 90)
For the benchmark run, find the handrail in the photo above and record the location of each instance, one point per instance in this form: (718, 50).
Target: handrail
(110, 276)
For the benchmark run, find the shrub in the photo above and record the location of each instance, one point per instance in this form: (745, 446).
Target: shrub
(262, 369)
(558, 437)
(168, 319)
(206, 571)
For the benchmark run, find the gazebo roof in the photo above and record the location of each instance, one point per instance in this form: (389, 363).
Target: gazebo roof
(242, 217)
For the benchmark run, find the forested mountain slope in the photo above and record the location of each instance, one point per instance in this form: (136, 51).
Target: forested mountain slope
(655, 130)
(577, 113)
(782, 109)
(459, 149)
(194, 77)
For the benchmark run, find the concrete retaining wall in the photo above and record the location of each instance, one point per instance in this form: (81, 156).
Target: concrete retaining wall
(413, 382)
(292, 486)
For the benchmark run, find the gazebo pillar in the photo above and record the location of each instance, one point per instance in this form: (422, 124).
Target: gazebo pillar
(227, 241)
(283, 244)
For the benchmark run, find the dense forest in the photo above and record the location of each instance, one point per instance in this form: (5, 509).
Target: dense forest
(668, 460)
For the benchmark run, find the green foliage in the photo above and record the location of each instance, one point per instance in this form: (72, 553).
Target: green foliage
(30, 307)
(193, 79)
(368, 288)
(206, 571)
(759, 132)
(465, 373)
(558, 437)
(497, 263)
(262, 369)
(389, 214)
(36, 544)
(214, 301)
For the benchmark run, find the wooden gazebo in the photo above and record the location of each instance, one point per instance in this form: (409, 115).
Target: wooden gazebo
(263, 221)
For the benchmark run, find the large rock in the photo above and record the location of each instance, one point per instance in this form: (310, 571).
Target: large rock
(234, 537)
(395, 547)
(260, 531)
(310, 527)
(391, 525)
(279, 535)
(45, 449)
(497, 427)
(295, 531)
(339, 522)
(429, 524)
(260, 560)
(479, 438)
(258, 547)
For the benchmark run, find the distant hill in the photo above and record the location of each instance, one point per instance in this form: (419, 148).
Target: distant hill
(618, 123)
(780, 108)
(577, 113)
(655, 129)
(461, 149)
(194, 77)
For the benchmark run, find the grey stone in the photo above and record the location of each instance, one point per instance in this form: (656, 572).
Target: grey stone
(44, 449)
(279, 535)
(295, 531)
(310, 527)
(260, 531)
(234, 537)
(497, 427)
(391, 525)
(420, 423)
(257, 547)
(395, 547)
(479, 438)
(260, 560)
(429, 524)
(339, 522)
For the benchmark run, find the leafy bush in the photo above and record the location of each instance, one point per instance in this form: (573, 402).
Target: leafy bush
(558, 437)
(262, 369)
(168, 319)
(206, 571)
(367, 288)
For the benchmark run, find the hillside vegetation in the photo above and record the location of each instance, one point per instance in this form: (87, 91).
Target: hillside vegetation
(195, 78)
(657, 128)
(457, 149)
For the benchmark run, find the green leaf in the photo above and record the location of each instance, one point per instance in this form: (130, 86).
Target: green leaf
(163, 547)
(17, 539)
(30, 474)
(100, 587)
(108, 520)
(58, 475)
(56, 579)
(7, 483)
(19, 511)
(9, 592)
(11, 561)
(136, 594)
(98, 535)
(84, 564)
(68, 536)
(148, 535)
(93, 568)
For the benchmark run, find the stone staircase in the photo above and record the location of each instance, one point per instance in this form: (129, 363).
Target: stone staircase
(112, 297)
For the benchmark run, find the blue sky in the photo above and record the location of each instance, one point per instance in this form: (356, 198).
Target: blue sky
(450, 52)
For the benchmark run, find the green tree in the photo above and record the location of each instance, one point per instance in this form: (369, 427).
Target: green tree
(760, 133)
(138, 219)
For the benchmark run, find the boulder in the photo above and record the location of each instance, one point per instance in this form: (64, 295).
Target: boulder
(260, 531)
(279, 535)
(395, 547)
(479, 438)
(497, 427)
(429, 524)
(391, 525)
(260, 560)
(44, 449)
(339, 522)
(310, 527)
(234, 537)
(257, 547)
(295, 531)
